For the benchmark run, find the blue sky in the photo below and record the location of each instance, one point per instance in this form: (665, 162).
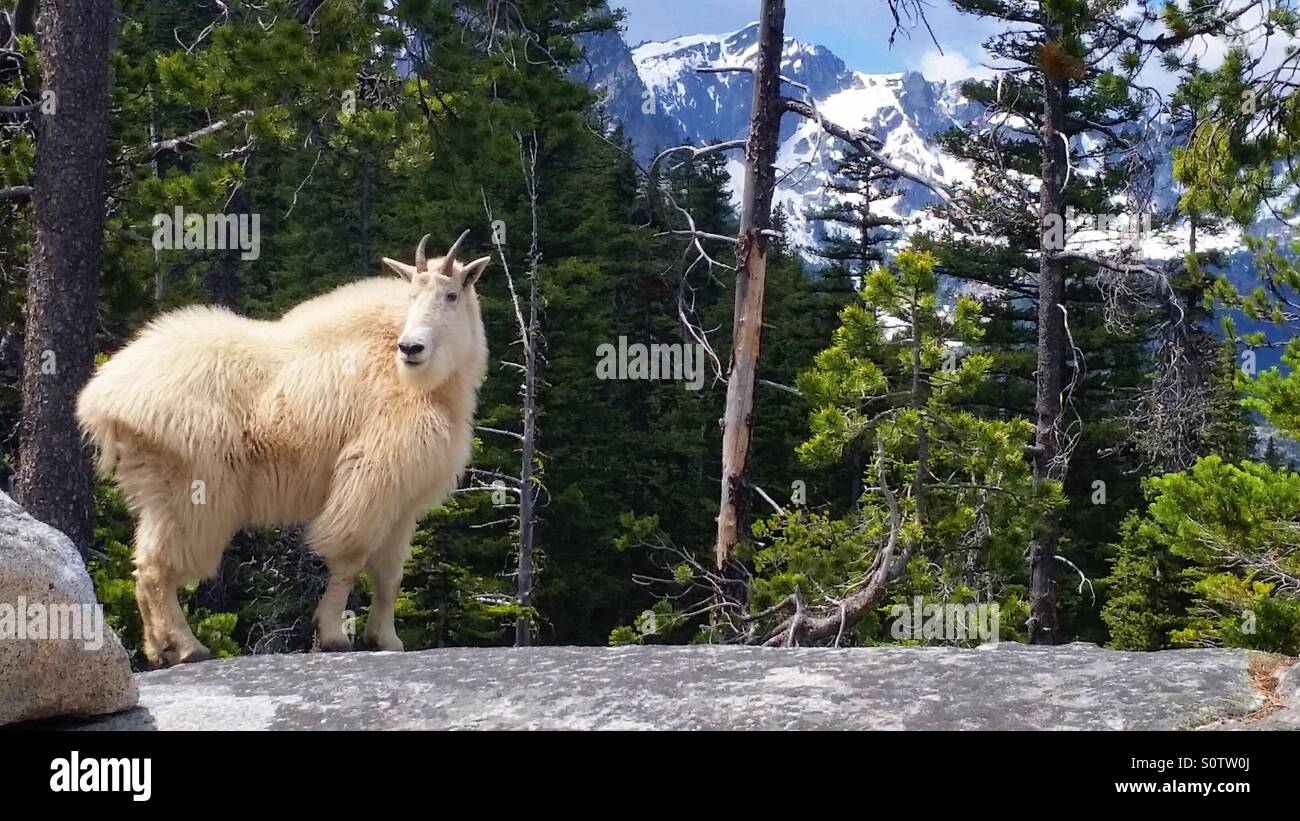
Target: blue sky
(856, 30)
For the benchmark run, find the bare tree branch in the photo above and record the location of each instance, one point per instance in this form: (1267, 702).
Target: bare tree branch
(187, 140)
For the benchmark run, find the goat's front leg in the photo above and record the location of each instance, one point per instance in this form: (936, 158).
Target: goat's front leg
(384, 567)
(329, 613)
(349, 529)
(363, 524)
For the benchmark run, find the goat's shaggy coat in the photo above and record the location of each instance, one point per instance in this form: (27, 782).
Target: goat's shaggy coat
(209, 422)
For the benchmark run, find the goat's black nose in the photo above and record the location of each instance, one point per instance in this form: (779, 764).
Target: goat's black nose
(410, 348)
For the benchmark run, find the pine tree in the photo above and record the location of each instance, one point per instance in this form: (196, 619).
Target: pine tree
(1034, 173)
(857, 235)
(910, 420)
(1212, 561)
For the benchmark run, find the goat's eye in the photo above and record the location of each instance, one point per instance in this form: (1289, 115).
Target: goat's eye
(451, 296)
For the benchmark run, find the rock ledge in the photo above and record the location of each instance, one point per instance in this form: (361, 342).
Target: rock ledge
(1007, 687)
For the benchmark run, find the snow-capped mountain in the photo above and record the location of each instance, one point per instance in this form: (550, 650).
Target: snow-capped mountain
(655, 92)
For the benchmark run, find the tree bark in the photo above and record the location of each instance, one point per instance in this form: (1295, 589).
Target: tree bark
(54, 480)
(25, 16)
(364, 226)
(527, 488)
(527, 493)
(1042, 622)
(221, 279)
(751, 265)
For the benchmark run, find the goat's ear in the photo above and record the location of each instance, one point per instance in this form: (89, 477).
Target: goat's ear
(470, 273)
(400, 268)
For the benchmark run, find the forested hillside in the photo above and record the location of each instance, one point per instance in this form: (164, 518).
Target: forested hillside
(995, 408)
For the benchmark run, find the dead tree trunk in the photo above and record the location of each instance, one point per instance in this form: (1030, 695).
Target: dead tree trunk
(751, 264)
(527, 487)
(54, 480)
(1049, 461)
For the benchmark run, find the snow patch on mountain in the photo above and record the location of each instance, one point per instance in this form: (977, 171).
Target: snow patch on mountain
(657, 93)
(661, 99)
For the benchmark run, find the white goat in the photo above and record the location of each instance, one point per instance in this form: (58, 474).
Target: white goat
(352, 412)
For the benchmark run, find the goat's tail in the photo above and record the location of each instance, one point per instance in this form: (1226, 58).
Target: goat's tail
(100, 429)
(108, 446)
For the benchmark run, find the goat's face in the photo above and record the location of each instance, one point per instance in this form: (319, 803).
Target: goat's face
(443, 327)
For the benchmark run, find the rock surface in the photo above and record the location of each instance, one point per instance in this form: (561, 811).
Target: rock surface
(86, 671)
(1010, 687)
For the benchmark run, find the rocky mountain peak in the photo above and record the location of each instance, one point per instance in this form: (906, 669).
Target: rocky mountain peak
(656, 93)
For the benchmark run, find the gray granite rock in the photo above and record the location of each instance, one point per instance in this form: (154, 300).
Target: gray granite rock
(62, 660)
(1007, 687)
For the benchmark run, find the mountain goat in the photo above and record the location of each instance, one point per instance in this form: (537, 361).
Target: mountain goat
(352, 413)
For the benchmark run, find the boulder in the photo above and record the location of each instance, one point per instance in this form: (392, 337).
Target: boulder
(57, 655)
(1002, 687)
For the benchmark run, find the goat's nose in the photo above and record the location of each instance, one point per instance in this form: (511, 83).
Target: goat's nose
(410, 348)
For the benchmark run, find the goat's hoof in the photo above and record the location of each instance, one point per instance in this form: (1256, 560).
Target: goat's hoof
(170, 657)
(343, 646)
(199, 653)
(382, 646)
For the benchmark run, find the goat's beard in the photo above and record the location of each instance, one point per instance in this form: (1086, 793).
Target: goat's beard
(426, 376)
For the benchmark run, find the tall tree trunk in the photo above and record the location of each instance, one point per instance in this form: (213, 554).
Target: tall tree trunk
(856, 467)
(1042, 622)
(25, 16)
(221, 279)
(54, 478)
(364, 227)
(751, 266)
(443, 632)
(527, 489)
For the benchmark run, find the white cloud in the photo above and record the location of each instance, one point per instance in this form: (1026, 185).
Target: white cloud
(951, 66)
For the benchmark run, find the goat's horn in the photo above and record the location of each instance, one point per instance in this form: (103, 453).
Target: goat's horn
(450, 259)
(420, 259)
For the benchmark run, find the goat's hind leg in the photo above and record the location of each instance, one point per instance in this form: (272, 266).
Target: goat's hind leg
(145, 593)
(170, 552)
(168, 639)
